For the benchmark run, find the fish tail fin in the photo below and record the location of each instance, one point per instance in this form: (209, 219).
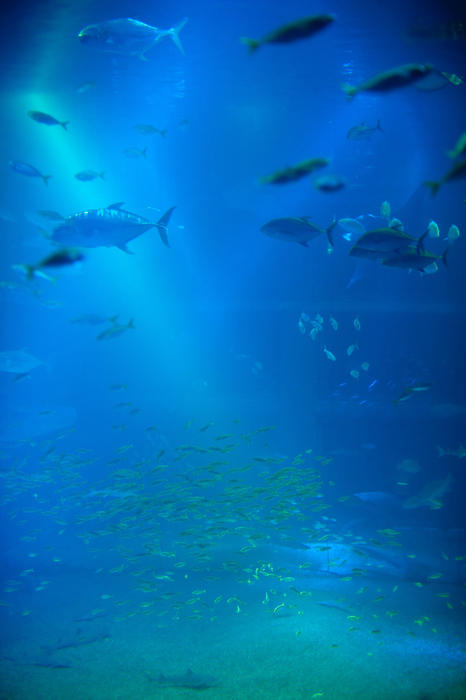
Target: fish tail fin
(443, 257)
(144, 151)
(434, 186)
(162, 224)
(329, 230)
(163, 133)
(420, 243)
(113, 319)
(174, 32)
(378, 126)
(27, 270)
(440, 451)
(45, 179)
(64, 125)
(43, 275)
(131, 323)
(102, 175)
(252, 44)
(349, 90)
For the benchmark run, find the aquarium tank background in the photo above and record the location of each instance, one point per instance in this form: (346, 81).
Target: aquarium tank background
(232, 384)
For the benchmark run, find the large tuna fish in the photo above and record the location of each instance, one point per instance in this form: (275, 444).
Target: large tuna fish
(111, 226)
(128, 36)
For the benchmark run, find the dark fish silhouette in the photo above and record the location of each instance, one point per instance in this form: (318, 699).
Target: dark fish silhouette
(190, 680)
(43, 118)
(299, 29)
(398, 77)
(29, 170)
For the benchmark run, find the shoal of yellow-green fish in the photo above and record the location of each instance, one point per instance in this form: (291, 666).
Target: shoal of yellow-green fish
(129, 514)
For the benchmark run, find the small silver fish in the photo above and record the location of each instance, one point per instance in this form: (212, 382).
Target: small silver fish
(88, 175)
(85, 87)
(149, 129)
(115, 330)
(362, 131)
(134, 152)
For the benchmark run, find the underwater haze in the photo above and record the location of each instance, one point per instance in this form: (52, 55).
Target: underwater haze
(233, 398)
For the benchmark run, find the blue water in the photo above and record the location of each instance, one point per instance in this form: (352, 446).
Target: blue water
(181, 495)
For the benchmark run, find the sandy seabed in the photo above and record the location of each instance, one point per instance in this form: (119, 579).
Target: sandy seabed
(318, 651)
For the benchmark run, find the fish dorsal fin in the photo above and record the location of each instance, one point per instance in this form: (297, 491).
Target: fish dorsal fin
(117, 205)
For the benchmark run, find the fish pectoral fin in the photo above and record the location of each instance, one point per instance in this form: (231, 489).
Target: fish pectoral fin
(124, 248)
(329, 230)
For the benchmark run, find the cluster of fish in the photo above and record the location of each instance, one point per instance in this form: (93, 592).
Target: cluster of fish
(392, 79)
(87, 175)
(199, 540)
(329, 182)
(181, 495)
(315, 326)
(389, 244)
(124, 36)
(399, 77)
(396, 248)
